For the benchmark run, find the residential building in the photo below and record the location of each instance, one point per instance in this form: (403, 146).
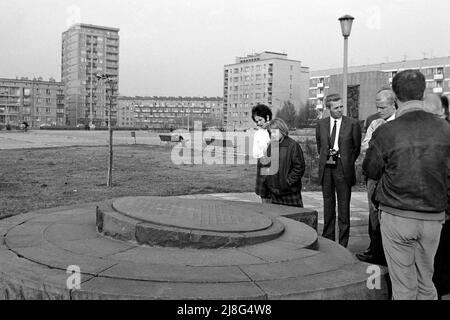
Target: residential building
(269, 78)
(126, 114)
(170, 112)
(89, 50)
(35, 101)
(436, 71)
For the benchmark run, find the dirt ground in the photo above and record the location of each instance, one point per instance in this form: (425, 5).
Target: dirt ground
(42, 178)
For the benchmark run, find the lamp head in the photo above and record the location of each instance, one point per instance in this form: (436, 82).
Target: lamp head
(346, 25)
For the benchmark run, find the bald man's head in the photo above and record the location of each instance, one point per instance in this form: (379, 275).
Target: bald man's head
(385, 102)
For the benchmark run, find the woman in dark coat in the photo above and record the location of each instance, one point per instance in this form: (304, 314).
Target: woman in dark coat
(284, 186)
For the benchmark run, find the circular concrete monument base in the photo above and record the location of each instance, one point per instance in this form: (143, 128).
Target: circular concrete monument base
(182, 223)
(42, 252)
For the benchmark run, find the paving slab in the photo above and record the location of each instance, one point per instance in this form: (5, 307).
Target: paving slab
(98, 247)
(58, 232)
(187, 257)
(23, 279)
(342, 284)
(155, 272)
(52, 256)
(309, 264)
(270, 253)
(298, 233)
(106, 288)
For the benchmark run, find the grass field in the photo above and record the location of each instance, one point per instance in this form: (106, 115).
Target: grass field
(42, 178)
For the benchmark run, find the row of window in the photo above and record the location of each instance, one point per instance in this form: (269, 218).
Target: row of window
(253, 68)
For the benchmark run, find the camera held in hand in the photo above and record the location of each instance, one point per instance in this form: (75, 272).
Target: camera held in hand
(332, 157)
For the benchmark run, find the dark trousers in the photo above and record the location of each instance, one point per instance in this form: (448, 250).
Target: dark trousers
(334, 183)
(376, 244)
(441, 276)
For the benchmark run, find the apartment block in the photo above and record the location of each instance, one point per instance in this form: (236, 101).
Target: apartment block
(89, 50)
(36, 101)
(269, 78)
(169, 112)
(435, 70)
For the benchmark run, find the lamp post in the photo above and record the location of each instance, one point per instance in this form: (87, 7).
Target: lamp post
(110, 79)
(346, 26)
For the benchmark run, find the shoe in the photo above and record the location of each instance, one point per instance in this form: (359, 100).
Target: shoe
(370, 258)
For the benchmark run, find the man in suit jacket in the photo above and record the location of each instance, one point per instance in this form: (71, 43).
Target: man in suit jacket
(339, 135)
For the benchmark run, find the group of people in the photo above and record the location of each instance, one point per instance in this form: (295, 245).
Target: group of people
(407, 170)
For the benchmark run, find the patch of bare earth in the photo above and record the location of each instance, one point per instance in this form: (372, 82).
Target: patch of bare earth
(43, 178)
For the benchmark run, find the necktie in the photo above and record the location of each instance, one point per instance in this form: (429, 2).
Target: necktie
(333, 135)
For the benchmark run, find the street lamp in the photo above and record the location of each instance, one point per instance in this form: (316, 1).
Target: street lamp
(346, 26)
(110, 79)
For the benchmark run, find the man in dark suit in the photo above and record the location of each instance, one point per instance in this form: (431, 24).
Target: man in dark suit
(338, 142)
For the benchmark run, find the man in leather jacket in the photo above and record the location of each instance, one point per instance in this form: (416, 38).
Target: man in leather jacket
(410, 156)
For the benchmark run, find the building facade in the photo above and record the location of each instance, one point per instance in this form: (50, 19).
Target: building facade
(269, 78)
(435, 70)
(362, 89)
(36, 102)
(88, 50)
(169, 112)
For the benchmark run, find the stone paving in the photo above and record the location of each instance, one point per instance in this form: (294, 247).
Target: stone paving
(37, 248)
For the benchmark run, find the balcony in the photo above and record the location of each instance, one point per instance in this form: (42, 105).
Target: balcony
(437, 90)
(320, 95)
(320, 85)
(439, 77)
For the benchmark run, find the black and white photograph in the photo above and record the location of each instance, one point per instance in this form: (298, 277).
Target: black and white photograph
(221, 155)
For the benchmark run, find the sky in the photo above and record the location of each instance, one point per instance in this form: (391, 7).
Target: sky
(180, 47)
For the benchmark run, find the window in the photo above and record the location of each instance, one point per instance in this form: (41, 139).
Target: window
(428, 72)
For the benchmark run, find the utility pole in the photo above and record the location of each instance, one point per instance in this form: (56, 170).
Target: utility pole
(109, 79)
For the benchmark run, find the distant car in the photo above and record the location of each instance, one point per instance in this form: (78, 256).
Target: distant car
(45, 125)
(80, 125)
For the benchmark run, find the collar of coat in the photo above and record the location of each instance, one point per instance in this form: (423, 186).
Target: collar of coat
(410, 106)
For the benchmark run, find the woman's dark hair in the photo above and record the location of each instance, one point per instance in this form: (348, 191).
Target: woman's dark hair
(261, 110)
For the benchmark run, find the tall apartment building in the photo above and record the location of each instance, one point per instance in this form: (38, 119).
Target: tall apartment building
(88, 50)
(35, 101)
(269, 78)
(436, 71)
(170, 112)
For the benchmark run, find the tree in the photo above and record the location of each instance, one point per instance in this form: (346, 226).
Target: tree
(287, 113)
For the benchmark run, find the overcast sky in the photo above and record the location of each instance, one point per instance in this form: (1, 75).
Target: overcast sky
(179, 47)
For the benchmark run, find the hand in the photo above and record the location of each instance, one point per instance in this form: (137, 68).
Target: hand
(264, 160)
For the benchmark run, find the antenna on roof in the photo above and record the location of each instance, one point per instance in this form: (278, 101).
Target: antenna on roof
(424, 55)
(405, 56)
